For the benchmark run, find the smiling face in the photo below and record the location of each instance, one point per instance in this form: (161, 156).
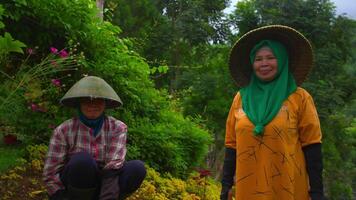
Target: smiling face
(92, 108)
(265, 64)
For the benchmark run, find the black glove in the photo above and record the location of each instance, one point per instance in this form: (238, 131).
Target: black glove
(59, 195)
(228, 172)
(109, 185)
(314, 164)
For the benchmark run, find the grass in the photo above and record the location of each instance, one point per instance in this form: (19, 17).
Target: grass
(9, 155)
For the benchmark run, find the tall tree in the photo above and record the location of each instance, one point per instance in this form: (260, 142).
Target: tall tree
(100, 6)
(171, 29)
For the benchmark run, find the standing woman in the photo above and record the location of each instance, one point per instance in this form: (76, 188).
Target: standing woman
(273, 136)
(86, 156)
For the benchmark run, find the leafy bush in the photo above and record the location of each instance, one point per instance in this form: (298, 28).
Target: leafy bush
(173, 145)
(7, 43)
(157, 187)
(339, 152)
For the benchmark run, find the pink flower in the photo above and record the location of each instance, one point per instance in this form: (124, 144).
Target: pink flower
(30, 51)
(63, 53)
(54, 50)
(56, 82)
(34, 107)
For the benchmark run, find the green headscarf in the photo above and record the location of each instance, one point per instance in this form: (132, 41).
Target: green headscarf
(261, 100)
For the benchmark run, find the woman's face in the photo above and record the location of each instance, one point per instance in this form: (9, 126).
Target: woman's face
(265, 64)
(92, 108)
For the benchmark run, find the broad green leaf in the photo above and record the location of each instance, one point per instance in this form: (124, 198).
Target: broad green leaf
(8, 44)
(163, 69)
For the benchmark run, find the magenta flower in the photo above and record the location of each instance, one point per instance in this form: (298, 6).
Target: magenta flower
(56, 82)
(54, 50)
(63, 53)
(30, 51)
(37, 108)
(34, 107)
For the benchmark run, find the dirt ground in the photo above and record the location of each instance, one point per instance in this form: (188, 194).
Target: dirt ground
(22, 183)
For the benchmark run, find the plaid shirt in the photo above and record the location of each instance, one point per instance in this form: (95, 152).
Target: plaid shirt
(108, 148)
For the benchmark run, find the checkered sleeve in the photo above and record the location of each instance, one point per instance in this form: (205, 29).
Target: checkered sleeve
(117, 146)
(54, 162)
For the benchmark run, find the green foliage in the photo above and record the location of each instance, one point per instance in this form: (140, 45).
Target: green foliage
(160, 69)
(244, 16)
(8, 44)
(339, 150)
(36, 152)
(174, 145)
(340, 191)
(2, 25)
(8, 155)
(207, 89)
(166, 31)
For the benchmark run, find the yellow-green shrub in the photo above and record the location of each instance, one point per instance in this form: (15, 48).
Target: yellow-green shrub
(157, 187)
(24, 180)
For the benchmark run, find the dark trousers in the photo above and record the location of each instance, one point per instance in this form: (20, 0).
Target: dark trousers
(82, 172)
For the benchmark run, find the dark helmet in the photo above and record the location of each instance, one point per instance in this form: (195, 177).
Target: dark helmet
(92, 87)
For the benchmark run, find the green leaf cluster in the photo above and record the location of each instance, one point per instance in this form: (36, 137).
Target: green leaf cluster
(7, 43)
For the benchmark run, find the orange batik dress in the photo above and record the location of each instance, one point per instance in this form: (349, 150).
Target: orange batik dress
(272, 166)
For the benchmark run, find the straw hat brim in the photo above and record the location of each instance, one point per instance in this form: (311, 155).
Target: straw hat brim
(299, 51)
(74, 101)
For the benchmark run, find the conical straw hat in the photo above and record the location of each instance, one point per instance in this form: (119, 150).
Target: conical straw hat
(92, 87)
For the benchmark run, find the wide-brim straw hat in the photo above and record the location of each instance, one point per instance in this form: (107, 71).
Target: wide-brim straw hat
(299, 51)
(91, 87)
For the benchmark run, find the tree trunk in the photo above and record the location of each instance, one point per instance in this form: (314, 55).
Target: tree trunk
(100, 6)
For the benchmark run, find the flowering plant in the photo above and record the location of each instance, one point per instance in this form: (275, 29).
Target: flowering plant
(34, 89)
